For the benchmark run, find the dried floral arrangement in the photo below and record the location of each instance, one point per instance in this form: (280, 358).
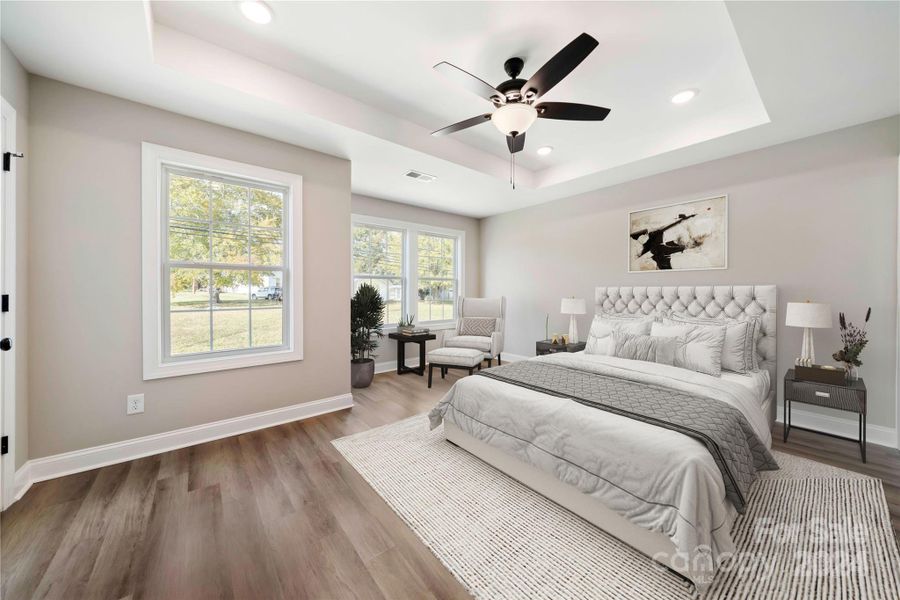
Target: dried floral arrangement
(854, 340)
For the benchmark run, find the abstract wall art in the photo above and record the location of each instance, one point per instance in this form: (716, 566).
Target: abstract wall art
(688, 236)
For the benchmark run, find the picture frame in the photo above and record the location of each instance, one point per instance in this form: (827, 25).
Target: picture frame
(670, 237)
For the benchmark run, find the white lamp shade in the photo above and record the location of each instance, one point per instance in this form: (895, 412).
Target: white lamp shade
(572, 306)
(516, 118)
(808, 314)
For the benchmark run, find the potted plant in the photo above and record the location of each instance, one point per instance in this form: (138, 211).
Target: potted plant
(406, 324)
(855, 340)
(366, 322)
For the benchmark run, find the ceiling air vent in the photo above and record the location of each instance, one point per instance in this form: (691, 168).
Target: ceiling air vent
(419, 176)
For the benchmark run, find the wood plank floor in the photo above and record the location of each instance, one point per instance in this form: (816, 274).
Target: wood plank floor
(275, 513)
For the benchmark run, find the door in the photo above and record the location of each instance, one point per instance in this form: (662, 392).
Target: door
(7, 288)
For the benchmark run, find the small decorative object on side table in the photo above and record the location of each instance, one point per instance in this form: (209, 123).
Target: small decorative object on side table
(420, 339)
(547, 347)
(850, 397)
(855, 340)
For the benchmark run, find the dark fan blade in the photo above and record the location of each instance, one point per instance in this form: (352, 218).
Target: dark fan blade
(463, 125)
(569, 111)
(560, 65)
(515, 144)
(468, 81)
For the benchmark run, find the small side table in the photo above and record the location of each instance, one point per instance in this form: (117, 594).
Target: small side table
(545, 347)
(850, 397)
(401, 351)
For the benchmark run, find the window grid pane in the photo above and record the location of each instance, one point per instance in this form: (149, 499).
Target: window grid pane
(437, 299)
(377, 251)
(391, 290)
(214, 222)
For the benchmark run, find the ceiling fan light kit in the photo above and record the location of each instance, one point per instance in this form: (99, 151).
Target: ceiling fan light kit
(514, 99)
(514, 119)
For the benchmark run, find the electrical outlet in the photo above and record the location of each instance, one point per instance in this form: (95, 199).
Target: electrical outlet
(134, 404)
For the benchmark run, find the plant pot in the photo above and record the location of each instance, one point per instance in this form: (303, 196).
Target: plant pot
(362, 370)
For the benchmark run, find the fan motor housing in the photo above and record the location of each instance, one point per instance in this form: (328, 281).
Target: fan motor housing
(512, 88)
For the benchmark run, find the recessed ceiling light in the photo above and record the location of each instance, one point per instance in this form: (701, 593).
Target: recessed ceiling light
(545, 150)
(256, 11)
(685, 96)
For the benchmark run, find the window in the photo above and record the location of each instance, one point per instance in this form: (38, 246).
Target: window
(417, 268)
(437, 277)
(378, 260)
(220, 239)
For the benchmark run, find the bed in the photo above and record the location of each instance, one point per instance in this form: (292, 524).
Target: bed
(663, 492)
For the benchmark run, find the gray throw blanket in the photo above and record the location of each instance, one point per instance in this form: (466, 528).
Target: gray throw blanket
(737, 451)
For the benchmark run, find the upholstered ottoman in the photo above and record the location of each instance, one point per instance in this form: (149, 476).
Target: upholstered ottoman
(453, 358)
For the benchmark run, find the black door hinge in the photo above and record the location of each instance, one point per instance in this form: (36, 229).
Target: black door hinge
(4, 303)
(7, 159)
(4, 444)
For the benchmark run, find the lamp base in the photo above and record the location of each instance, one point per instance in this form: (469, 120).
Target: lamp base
(808, 351)
(573, 330)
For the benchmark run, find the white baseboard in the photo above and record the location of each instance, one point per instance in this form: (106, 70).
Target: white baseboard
(875, 434)
(391, 365)
(59, 465)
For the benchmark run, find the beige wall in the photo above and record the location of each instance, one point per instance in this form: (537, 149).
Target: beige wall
(817, 217)
(14, 89)
(374, 207)
(85, 274)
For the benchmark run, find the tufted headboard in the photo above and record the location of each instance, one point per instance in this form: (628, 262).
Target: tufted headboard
(736, 302)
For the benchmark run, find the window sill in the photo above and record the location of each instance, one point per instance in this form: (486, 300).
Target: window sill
(219, 363)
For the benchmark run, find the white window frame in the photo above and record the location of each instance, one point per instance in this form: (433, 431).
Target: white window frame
(410, 271)
(154, 210)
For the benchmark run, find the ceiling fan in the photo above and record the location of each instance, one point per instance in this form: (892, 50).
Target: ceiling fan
(515, 98)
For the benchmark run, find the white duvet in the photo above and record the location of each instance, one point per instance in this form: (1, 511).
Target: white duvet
(659, 479)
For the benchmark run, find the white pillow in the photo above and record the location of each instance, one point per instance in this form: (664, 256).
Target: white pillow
(647, 348)
(700, 347)
(599, 341)
(739, 351)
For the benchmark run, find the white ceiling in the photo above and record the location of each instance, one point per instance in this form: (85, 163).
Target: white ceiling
(355, 80)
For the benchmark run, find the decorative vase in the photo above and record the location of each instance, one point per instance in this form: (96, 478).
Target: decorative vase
(852, 371)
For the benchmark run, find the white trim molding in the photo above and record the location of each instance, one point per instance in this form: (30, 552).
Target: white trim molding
(875, 434)
(8, 214)
(153, 160)
(59, 465)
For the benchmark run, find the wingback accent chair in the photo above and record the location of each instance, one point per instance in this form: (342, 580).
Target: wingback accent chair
(480, 324)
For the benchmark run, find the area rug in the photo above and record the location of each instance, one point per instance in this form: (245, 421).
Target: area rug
(810, 530)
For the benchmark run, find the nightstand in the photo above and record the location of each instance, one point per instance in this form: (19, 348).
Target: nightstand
(850, 397)
(545, 347)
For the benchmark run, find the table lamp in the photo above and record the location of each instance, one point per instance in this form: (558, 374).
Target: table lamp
(808, 315)
(572, 306)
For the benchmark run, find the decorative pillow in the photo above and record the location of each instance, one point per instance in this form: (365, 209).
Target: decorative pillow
(622, 316)
(598, 341)
(644, 347)
(700, 348)
(739, 351)
(483, 326)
